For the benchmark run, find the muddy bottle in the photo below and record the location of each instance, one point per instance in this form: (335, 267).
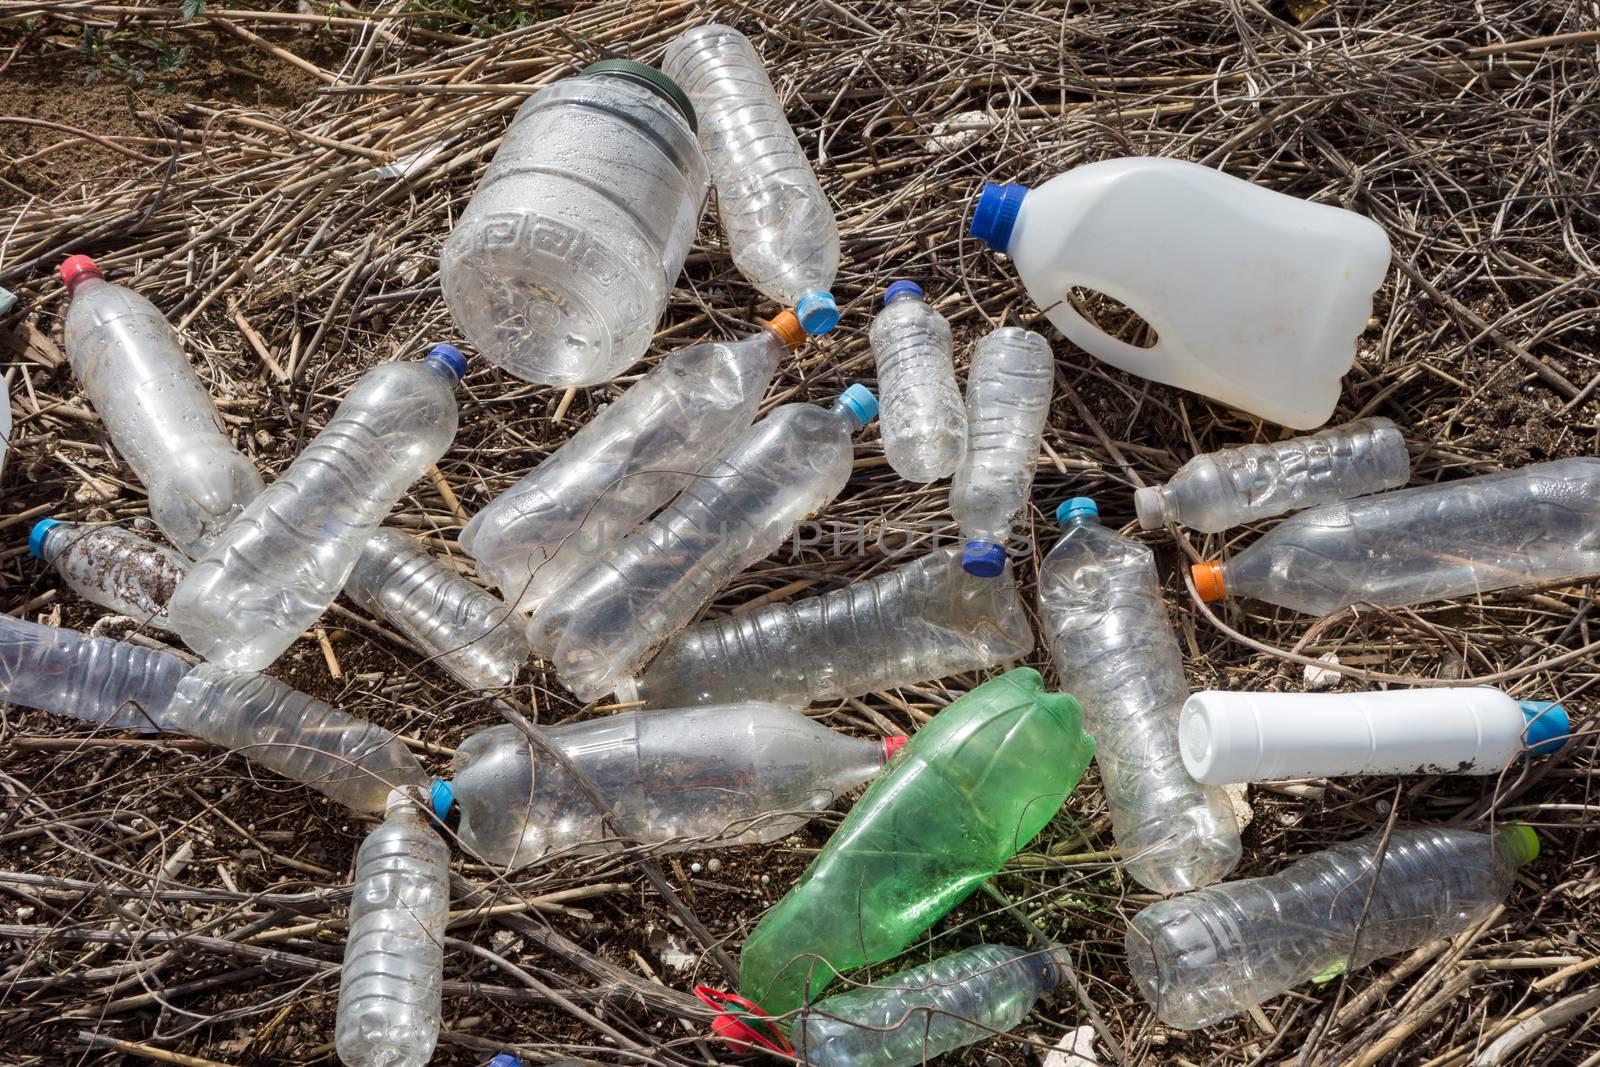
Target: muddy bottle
(119, 685)
(923, 420)
(111, 567)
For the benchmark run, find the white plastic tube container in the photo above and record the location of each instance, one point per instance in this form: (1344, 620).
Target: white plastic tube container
(1254, 737)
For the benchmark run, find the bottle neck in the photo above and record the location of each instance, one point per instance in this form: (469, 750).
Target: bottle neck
(84, 281)
(441, 369)
(851, 417)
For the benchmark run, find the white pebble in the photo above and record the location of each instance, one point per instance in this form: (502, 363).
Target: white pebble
(695, 868)
(714, 866)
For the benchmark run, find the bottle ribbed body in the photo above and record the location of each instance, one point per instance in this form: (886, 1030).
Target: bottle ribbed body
(130, 363)
(922, 419)
(1219, 490)
(781, 229)
(278, 567)
(123, 686)
(469, 632)
(116, 569)
(563, 260)
(924, 620)
(1208, 955)
(1114, 647)
(913, 1016)
(1008, 401)
(391, 985)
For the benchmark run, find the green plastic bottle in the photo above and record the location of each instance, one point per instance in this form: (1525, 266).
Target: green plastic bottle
(973, 786)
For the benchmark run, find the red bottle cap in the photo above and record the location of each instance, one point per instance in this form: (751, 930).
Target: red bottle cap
(740, 1036)
(75, 267)
(891, 745)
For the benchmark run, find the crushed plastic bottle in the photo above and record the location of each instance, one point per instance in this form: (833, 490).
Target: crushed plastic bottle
(1115, 649)
(119, 685)
(923, 421)
(623, 465)
(392, 983)
(717, 776)
(562, 263)
(277, 568)
(1206, 956)
(924, 620)
(111, 567)
(973, 787)
(1432, 542)
(1008, 402)
(472, 634)
(781, 229)
(1220, 490)
(737, 511)
(130, 363)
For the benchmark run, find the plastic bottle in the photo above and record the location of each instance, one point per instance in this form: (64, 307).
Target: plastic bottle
(1114, 647)
(392, 983)
(717, 776)
(1219, 490)
(926, 619)
(5, 420)
(281, 564)
(908, 1019)
(924, 422)
(737, 511)
(1255, 737)
(624, 463)
(96, 679)
(1256, 298)
(1203, 957)
(111, 567)
(562, 263)
(973, 787)
(1008, 401)
(471, 633)
(1432, 542)
(131, 365)
(780, 226)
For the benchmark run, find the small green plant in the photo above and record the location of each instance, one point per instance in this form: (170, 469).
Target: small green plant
(131, 57)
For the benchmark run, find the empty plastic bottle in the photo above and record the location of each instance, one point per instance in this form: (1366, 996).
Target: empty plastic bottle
(1205, 956)
(1115, 650)
(973, 787)
(909, 1018)
(624, 463)
(562, 263)
(735, 512)
(129, 361)
(923, 421)
(717, 776)
(471, 633)
(5, 421)
(1433, 542)
(924, 620)
(780, 226)
(111, 567)
(96, 679)
(277, 568)
(392, 982)
(1008, 401)
(1219, 490)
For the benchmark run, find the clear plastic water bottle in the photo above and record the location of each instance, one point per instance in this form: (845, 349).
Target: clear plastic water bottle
(111, 567)
(1206, 956)
(96, 679)
(470, 633)
(130, 363)
(1219, 490)
(279, 566)
(717, 776)
(911, 1017)
(923, 421)
(624, 463)
(392, 983)
(736, 512)
(1432, 542)
(1115, 650)
(780, 226)
(562, 263)
(1008, 401)
(924, 620)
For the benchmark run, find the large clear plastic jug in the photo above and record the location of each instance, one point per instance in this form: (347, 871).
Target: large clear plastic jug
(1256, 298)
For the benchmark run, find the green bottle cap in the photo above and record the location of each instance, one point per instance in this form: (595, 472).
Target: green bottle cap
(651, 79)
(1521, 841)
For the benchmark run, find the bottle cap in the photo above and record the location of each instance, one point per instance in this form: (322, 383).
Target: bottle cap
(76, 267)
(1079, 507)
(36, 536)
(651, 79)
(1208, 580)
(996, 214)
(739, 1032)
(862, 404)
(894, 744)
(817, 312)
(1548, 725)
(505, 1059)
(787, 326)
(903, 287)
(983, 559)
(442, 797)
(1521, 841)
(1148, 505)
(451, 357)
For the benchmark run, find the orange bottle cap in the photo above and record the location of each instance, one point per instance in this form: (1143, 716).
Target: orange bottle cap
(786, 324)
(1208, 580)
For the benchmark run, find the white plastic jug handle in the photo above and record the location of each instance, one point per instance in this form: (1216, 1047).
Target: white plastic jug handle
(1146, 362)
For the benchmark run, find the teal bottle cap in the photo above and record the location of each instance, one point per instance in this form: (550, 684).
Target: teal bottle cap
(861, 403)
(442, 796)
(817, 312)
(1079, 507)
(1548, 726)
(36, 536)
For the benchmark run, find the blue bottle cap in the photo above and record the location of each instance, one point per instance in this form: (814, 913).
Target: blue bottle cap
(36, 536)
(443, 796)
(1548, 726)
(983, 559)
(996, 213)
(1079, 507)
(505, 1059)
(451, 357)
(862, 404)
(817, 313)
(903, 287)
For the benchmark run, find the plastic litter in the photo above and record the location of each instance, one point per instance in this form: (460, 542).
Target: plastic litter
(111, 567)
(923, 419)
(114, 683)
